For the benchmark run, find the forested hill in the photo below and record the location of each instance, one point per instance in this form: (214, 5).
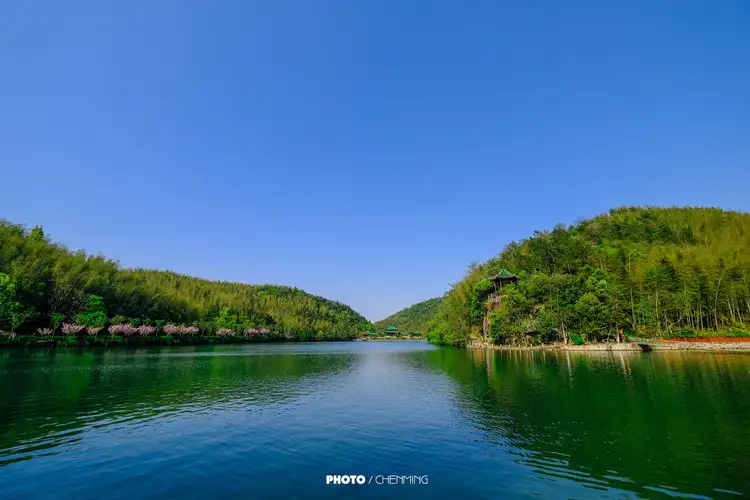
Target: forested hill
(42, 282)
(648, 271)
(412, 319)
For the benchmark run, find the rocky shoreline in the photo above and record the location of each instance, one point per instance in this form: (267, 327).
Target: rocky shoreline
(626, 346)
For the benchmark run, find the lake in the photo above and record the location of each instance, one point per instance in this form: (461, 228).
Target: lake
(273, 420)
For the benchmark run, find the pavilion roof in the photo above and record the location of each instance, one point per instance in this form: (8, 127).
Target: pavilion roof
(504, 274)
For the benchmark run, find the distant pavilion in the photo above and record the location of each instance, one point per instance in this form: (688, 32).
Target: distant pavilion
(503, 278)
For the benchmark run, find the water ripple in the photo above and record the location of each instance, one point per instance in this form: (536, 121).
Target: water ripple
(249, 421)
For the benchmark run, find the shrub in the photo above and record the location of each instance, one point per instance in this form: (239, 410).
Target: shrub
(122, 329)
(225, 332)
(69, 340)
(171, 330)
(145, 330)
(57, 319)
(189, 330)
(94, 330)
(72, 329)
(257, 331)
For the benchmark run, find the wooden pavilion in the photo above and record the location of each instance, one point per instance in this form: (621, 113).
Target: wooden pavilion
(503, 278)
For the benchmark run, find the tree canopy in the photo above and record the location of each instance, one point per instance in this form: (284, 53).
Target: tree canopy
(43, 284)
(650, 271)
(412, 319)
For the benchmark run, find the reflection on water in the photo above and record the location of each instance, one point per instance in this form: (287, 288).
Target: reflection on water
(674, 422)
(262, 420)
(50, 398)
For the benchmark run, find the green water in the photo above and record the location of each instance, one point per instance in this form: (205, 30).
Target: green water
(271, 421)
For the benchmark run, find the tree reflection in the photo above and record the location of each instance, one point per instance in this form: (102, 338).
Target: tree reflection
(625, 420)
(49, 396)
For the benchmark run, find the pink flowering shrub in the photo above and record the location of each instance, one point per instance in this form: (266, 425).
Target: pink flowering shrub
(72, 329)
(93, 330)
(257, 331)
(181, 330)
(122, 329)
(189, 330)
(225, 332)
(44, 331)
(171, 330)
(146, 330)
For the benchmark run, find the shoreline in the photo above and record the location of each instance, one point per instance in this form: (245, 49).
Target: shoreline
(415, 339)
(623, 347)
(62, 342)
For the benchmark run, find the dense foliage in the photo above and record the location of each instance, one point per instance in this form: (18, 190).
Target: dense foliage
(44, 285)
(648, 271)
(412, 319)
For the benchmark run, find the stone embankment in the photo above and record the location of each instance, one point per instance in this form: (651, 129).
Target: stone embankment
(625, 346)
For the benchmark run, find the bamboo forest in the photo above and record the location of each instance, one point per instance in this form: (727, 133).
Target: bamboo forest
(51, 294)
(637, 271)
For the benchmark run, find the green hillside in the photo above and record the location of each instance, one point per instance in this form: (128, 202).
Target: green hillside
(43, 283)
(648, 271)
(412, 319)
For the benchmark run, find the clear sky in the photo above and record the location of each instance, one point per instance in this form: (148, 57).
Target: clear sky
(366, 151)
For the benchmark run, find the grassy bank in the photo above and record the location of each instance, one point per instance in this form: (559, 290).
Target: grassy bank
(109, 340)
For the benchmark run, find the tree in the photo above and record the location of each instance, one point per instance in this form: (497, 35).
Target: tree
(11, 311)
(56, 319)
(95, 314)
(663, 271)
(55, 284)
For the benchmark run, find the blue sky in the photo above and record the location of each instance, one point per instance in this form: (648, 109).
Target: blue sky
(366, 151)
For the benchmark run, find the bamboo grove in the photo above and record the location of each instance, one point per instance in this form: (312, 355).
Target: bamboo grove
(44, 285)
(650, 272)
